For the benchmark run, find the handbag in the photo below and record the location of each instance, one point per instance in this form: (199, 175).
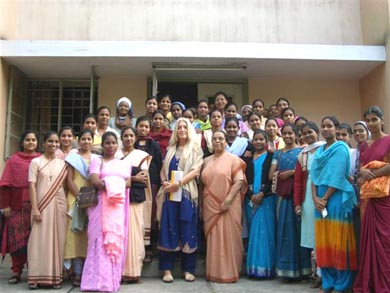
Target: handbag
(88, 197)
(284, 188)
(137, 190)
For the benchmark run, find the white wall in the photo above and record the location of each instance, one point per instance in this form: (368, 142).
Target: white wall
(266, 21)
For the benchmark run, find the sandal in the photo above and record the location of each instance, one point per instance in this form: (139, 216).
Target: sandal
(57, 286)
(14, 280)
(76, 281)
(33, 286)
(167, 278)
(317, 283)
(148, 257)
(188, 277)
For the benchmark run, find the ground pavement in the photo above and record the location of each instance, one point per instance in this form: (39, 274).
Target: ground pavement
(155, 285)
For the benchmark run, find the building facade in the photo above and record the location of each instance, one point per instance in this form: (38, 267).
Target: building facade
(61, 59)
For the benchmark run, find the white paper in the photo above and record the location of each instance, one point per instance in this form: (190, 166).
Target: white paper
(176, 176)
(324, 213)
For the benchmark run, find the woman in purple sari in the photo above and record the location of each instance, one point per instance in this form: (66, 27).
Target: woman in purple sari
(374, 267)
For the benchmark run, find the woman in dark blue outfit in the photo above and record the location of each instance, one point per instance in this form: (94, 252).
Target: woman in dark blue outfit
(179, 214)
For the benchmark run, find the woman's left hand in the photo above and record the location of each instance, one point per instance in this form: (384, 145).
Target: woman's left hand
(225, 205)
(171, 187)
(285, 174)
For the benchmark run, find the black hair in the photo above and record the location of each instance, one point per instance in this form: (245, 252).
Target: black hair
(273, 119)
(65, 128)
(202, 101)
(84, 131)
(282, 99)
(347, 127)
(304, 119)
(224, 134)
(215, 110)
(257, 100)
(151, 98)
(158, 111)
(48, 134)
(102, 108)
(375, 110)
(107, 134)
(293, 127)
(127, 128)
(250, 114)
(142, 118)
(220, 93)
(311, 125)
(332, 118)
(231, 104)
(23, 137)
(262, 132)
(165, 96)
(90, 115)
(232, 119)
(192, 110)
(286, 109)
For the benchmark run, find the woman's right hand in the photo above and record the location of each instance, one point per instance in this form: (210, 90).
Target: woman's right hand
(298, 210)
(257, 198)
(366, 174)
(36, 215)
(7, 212)
(319, 203)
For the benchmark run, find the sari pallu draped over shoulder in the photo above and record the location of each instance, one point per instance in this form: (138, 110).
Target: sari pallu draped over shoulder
(14, 194)
(52, 205)
(325, 171)
(45, 200)
(223, 229)
(374, 261)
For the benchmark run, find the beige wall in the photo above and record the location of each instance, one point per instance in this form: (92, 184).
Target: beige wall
(288, 21)
(375, 21)
(4, 73)
(111, 88)
(312, 99)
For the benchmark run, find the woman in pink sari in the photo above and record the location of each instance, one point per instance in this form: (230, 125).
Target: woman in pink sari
(107, 228)
(374, 267)
(223, 178)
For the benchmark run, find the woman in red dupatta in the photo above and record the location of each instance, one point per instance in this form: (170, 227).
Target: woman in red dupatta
(16, 205)
(374, 267)
(159, 132)
(46, 244)
(223, 179)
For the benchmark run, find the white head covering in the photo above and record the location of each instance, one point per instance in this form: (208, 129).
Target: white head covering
(126, 100)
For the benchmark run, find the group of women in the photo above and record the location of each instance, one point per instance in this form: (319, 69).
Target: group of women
(266, 191)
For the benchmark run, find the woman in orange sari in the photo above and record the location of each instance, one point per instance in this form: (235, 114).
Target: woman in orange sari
(46, 244)
(223, 180)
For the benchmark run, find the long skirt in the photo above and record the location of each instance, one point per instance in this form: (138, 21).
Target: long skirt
(374, 267)
(292, 260)
(260, 261)
(335, 243)
(46, 244)
(135, 245)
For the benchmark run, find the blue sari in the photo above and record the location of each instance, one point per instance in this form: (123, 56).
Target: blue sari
(292, 260)
(260, 261)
